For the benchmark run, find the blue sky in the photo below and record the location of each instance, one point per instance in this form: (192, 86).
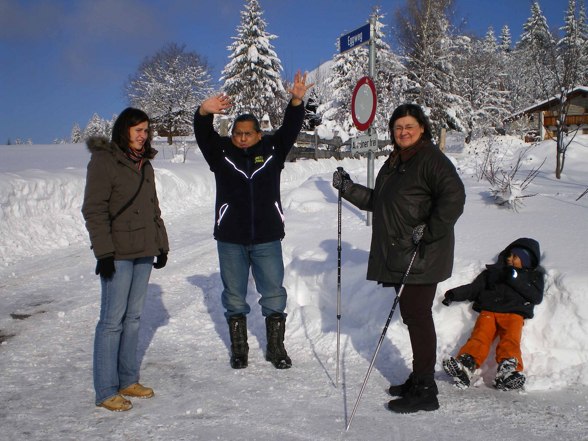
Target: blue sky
(61, 61)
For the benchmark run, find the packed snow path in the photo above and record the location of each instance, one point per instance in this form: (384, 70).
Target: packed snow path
(50, 301)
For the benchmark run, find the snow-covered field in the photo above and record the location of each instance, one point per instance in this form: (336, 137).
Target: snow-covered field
(49, 304)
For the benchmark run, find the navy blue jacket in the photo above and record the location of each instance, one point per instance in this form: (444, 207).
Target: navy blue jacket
(501, 288)
(248, 206)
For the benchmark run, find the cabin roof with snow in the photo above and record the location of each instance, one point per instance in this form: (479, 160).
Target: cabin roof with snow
(578, 97)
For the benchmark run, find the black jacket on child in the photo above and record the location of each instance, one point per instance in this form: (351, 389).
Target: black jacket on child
(502, 288)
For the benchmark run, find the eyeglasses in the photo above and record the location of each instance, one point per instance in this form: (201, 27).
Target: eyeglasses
(243, 134)
(408, 128)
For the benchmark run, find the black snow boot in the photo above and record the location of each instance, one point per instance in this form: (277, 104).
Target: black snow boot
(400, 390)
(422, 395)
(275, 326)
(239, 346)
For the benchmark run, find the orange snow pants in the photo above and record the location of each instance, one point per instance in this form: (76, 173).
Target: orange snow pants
(508, 327)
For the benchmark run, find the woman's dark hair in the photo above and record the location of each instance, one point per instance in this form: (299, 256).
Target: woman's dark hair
(128, 118)
(417, 113)
(247, 117)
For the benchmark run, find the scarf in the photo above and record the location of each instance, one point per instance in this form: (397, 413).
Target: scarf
(404, 155)
(136, 156)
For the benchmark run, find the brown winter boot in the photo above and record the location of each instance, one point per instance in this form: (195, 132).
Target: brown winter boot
(116, 404)
(239, 346)
(137, 390)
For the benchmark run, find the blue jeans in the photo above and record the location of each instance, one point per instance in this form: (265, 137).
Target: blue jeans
(117, 333)
(267, 267)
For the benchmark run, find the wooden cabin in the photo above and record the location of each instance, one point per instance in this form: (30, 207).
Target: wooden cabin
(545, 114)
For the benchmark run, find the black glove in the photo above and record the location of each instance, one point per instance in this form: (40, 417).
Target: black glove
(105, 267)
(341, 180)
(449, 296)
(160, 261)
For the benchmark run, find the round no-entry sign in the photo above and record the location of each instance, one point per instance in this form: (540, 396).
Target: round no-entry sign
(363, 103)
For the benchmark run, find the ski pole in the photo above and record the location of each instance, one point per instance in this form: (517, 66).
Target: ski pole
(417, 234)
(340, 169)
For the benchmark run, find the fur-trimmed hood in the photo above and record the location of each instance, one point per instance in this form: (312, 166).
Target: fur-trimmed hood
(102, 144)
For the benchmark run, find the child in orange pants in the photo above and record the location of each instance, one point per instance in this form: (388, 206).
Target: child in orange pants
(504, 294)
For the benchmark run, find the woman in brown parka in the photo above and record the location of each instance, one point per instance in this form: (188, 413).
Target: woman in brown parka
(123, 219)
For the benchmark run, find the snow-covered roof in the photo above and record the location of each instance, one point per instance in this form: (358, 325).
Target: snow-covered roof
(548, 102)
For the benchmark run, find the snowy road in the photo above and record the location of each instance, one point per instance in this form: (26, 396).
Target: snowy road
(49, 306)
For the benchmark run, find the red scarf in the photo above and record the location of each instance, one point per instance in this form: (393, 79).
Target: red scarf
(136, 156)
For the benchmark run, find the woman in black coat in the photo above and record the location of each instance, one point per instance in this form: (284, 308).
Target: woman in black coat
(416, 185)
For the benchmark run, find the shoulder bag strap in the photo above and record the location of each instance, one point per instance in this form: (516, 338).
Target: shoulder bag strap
(130, 202)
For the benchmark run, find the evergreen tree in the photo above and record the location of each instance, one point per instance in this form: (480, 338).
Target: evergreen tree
(583, 31)
(505, 41)
(536, 55)
(348, 67)
(490, 44)
(428, 46)
(252, 78)
(391, 79)
(572, 49)
(318, 95)
(76, 134)
(96, 127)
(481, 84)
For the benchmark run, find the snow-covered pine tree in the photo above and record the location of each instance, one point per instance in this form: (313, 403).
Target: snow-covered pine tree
(489, 43)
(481, 84)
(348, 67)
(428, 47)
(168, 87)
(252, 78)
(572, 48)
(76, 134)
(505, 40)
(583, 31)
(318, 94)
(390, 79)
(96, 127)
(535, 54)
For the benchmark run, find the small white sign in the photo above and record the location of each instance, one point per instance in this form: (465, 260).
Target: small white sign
(364, 143)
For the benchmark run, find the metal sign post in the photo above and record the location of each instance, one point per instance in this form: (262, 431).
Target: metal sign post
(364, 101)
(371, 131)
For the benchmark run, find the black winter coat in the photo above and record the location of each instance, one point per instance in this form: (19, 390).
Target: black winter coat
(248, 205)
(424, 189)
(501, 288)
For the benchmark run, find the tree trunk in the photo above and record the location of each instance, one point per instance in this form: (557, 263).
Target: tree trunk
(558, 166)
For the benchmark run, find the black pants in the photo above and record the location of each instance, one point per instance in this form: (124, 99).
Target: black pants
(415, 303)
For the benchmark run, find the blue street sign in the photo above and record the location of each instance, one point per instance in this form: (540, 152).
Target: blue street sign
(354, 38)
